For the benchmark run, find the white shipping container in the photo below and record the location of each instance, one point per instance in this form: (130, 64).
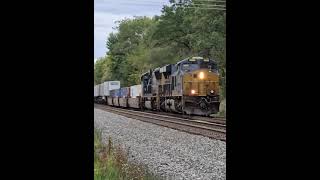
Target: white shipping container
(106, 91)
(114, 85)
(110, 85)
(96, 91)
(135, 91)
(101, 89)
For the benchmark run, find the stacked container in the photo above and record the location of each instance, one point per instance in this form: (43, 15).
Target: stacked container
(125, 92)
(114, 85)
(135, 91)
(135, 94)
(96, 90)
(115, 93)
(124, 95)
(101, 90)
(106, 91)
(110, 85)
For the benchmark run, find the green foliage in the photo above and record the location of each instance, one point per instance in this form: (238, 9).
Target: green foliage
(143, 43)
(111, 163)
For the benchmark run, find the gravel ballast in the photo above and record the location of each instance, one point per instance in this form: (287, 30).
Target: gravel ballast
(166, 152)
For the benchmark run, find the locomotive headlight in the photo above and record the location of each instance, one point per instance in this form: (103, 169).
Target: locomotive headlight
(201, 75)
(212, 91)
(193, 91)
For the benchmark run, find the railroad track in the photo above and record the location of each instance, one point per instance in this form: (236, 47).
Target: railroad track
(219, 120)
(195, 126)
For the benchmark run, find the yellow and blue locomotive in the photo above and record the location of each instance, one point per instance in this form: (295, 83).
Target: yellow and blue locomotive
(190, 86)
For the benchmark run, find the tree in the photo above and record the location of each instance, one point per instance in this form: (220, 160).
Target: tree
(179, 32)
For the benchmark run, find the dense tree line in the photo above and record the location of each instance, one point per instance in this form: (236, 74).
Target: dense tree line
(179, 32)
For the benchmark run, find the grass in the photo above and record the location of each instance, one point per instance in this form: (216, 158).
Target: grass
(111, 163)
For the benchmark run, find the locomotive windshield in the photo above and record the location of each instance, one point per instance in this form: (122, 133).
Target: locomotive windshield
(190, 66)
(211, 65)
(198, 64)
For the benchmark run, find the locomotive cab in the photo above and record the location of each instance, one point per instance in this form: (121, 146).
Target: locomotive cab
(197, 63)
(200, 86)
(191, 86)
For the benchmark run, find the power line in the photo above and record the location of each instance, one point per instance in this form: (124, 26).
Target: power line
(205, 8)
(211, 1)
(175, 0)
(209, 5)
(143, 2)
(166, 1)
(138, 4)
(135, 2)
(157, 1)
(196, 1)
(124, 3)
(153, 3)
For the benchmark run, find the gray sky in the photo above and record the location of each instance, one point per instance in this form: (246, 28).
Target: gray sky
(106, 12)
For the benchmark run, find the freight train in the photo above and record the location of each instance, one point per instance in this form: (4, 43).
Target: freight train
(191, 86)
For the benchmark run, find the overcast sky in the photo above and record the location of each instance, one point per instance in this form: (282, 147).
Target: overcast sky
(106, 12)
